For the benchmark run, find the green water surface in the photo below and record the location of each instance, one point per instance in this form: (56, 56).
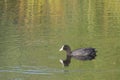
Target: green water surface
(33, 31)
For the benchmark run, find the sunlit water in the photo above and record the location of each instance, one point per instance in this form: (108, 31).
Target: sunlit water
(33, 31)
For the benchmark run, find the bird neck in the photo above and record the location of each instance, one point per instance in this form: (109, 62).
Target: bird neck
(67, 60)
(68, 51)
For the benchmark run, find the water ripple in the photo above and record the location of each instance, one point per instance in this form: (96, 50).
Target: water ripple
(30, 70)
(42, 70)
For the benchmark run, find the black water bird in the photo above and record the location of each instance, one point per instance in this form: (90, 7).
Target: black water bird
(80, 54)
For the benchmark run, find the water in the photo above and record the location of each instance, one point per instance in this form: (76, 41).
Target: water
(33, 31)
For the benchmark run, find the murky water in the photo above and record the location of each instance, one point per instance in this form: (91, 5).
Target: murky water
(32, 31)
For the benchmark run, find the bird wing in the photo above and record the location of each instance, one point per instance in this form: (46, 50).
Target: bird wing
(81, 52)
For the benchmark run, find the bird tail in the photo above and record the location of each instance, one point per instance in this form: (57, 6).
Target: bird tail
(92, 55)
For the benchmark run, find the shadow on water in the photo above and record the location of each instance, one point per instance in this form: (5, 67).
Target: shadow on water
(49, 71)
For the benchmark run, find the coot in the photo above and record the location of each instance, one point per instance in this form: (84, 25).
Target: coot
(80, 54)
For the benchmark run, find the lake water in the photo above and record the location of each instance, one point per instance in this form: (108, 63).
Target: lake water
(33, 31)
